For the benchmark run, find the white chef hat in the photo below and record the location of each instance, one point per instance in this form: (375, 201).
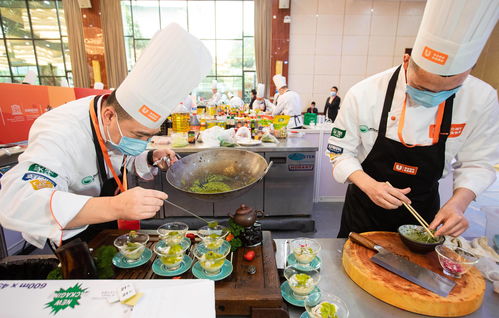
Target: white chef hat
(214, 84)
(279, 81)
(453, 33)
(260, 90)
(172, 64)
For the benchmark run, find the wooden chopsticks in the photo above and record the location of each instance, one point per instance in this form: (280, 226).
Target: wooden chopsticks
(418, 217)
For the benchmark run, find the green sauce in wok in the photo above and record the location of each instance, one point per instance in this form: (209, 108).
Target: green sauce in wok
(213, 183)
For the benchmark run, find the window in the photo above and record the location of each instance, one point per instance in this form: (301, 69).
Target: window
(33, 37)
(225, 27)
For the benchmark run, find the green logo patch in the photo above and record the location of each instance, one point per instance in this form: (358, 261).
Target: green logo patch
(87, 180)
(338, 133)
(41, 169)
(363, 128)
(65, 298)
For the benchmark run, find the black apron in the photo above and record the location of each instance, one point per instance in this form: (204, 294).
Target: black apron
(108, 188)
(384, 163)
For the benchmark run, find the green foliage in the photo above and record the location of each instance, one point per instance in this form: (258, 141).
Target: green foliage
(236, 230)
(103, 261)
(56, 273)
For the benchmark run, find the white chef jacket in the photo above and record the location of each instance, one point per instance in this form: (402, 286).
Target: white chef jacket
(57, 174)
(289, 104)
(263, 104)
(217, 99)
(473, 142)
(236, 101)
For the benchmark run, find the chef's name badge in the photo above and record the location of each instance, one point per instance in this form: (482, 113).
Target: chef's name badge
(38, 181)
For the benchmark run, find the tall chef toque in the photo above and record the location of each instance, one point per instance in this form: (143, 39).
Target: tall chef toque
(279, 81)
(453, 33)
(171, 66)
(260, 90)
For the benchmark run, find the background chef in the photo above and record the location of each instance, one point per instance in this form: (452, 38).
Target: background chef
(407, 125)
(287, 102)
(261, 103)
(72, 167)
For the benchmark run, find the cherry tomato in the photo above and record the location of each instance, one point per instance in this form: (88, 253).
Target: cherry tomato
(249, 255)
(191, 236)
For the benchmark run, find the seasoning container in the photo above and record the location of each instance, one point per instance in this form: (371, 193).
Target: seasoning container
(191, 137)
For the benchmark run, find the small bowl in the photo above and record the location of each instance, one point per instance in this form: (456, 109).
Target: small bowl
(213, 237)
(407, 235)
(315, 300)
(301, 282)
(305, 250)
(131, 245)
(211, 260)
(455, 261)
(173, 232)
(171, 256)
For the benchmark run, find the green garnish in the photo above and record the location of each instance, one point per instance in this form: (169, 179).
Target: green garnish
(170, 260)
(130, 246)
(132, 234)
(420, 235)
(172, 233)
(211, 184)
(302, 279)
(212, 224)
(328, 310)
(214, 236)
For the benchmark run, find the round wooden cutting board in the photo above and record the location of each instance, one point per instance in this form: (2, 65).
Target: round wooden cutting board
(465, 298)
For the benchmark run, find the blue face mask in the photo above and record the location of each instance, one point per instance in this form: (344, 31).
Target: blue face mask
(128, 146)
(429, 99)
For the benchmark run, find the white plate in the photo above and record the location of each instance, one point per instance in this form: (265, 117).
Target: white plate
(248, 142)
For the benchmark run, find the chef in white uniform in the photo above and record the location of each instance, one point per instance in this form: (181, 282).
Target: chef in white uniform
(409, 124)
(77, 153)
(261, 103)
(215, 98)
(236, 101)
(288, 102)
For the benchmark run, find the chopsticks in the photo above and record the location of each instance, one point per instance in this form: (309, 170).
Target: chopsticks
(418, 217)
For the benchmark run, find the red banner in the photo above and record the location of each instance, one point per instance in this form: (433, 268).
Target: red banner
(21, 104)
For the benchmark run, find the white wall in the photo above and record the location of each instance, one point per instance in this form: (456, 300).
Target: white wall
(340, 42)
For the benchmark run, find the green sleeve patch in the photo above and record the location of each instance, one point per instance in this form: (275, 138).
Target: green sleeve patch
(338, 133)
(41, 169)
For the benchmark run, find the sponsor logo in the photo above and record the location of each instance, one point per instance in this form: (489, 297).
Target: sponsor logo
(87, 180)
(364, 129)
(434, 56)
(332, 156)
(38, 181)
(334, 149)
(41, 169)
(338, 133)
(309, 167)
(16, 109)
(300, 156)
(149, 113)
(399, 167)
(455, 130)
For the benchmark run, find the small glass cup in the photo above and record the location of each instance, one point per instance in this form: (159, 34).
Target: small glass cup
(171, 256)
(455, 261)
(305, 250)
(301, 282)
(131, 245)
(318, 302)
(213, 237)
(211, 260)
(173, 232)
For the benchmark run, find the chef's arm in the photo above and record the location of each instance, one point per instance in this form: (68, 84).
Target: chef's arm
(473, 168)
(134, 204)
(279, 107)
(451, 215)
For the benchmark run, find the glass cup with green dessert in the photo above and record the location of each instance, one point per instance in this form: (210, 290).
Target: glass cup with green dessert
(324, 305)
(305, 250)
(173, 232)
(213, 235)
(211, 260)
(131, 245)
(170, 255)
(301, 282)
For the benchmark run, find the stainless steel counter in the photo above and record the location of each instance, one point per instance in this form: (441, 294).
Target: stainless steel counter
(289, 144)
(360, 303)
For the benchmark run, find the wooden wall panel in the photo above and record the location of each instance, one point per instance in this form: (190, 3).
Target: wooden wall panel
(280, 41)
(94, 40)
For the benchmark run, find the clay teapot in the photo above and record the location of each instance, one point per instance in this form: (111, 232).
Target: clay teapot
(245, 216)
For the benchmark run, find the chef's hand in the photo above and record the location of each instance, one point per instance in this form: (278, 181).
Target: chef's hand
(380, 193)
(138, 203)
(158, 154)
(451, 215)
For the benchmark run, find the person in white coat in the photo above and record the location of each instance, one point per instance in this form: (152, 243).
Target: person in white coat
(288, 102)
(236, 101)
(73, 172)
(261, 103)
(410, 124)
(216, 95)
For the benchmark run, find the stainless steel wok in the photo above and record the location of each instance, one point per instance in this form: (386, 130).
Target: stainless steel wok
(243, 169)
